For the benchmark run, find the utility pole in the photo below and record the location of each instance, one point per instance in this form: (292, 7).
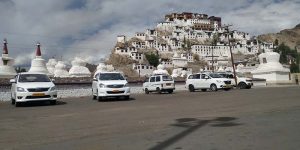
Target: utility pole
(232, 62)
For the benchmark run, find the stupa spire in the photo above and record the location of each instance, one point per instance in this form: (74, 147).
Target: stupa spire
(5, 50)
(38, 50)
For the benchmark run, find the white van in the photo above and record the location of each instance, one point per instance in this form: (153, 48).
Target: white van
(159, 83)
(110, 84)
(204, 81)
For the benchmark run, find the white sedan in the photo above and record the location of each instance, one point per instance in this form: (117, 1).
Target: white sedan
(32, 87)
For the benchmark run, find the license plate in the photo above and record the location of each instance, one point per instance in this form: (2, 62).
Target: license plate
(115, 91)
(168, 84)
(38, 94)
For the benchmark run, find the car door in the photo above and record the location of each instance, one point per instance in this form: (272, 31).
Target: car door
(196, 81)
(152, 84)
(205, 81)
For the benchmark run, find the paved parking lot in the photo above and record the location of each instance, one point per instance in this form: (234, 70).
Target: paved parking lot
(259, 118)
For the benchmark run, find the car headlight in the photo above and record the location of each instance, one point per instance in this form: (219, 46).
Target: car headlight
(102, 85)
(20, 89)
(219, 81)
(126, 85)
(53, 88)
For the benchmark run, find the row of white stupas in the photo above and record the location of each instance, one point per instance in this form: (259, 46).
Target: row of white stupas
(38, 65)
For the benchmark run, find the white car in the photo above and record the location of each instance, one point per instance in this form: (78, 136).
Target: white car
(206, 81)
(242, 81)
(32, 87)
(159, 83)
(110, 84)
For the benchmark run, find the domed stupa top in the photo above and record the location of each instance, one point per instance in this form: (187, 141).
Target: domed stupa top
(51, 65)
(79, 68)
(38, 64)
(6, 63)
(61, 70)
(269, 62)
(160, 70)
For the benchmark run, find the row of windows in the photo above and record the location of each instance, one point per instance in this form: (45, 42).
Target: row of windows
(143, 67)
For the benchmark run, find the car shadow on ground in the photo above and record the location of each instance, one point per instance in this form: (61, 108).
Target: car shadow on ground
(191, 125)
(113, 99)
(41, 103)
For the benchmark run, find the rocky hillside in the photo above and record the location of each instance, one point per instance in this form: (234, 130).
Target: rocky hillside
(290, 37)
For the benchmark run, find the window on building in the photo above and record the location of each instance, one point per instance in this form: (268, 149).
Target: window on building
(264, 60)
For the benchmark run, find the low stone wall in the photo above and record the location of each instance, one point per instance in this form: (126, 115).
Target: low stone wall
(76, 90)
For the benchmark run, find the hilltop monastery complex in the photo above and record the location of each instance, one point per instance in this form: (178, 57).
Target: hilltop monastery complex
(184, 37)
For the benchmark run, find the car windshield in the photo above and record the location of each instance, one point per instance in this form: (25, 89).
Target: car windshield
(214, 75)
(111, 76)
(167, 78)
(34, 78)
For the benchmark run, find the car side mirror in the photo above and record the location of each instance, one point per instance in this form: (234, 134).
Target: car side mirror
(12, 80)
(94, 79)
(53, 80)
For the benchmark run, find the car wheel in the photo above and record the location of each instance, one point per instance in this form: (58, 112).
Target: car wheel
(53, 102)
(203, 90)
(191, 88)
(147, 91)
(170, 91)
(18, 104)
(94, 96)
(158, 90)
(249, 87)
(13, 101)
(242, 85)
(213, 87)
(126, 97)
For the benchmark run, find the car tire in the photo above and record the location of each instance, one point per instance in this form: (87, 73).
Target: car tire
(191, 88)
(127, 97)
(147, 91)
(248, 87)
(53, 102)
(203, 90)
(242, 85)
(18, 104)
(158, 90)
(170, 91)
(13, 101)
(213, 87)
(94, 96)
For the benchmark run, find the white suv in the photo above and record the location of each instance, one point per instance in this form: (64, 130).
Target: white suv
(159, 83)
(110, 84)
(242, 81)
(206, 81)
(32, 87)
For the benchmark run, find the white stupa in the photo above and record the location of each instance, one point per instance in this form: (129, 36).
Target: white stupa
(6, 63)
(160, 70)
(61, 70)
(78, 68)
(38, 64)
(270, 68)
(104, 68)
(51, 65)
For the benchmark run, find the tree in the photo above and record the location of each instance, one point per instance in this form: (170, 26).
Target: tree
(153, 59)
(276, 42)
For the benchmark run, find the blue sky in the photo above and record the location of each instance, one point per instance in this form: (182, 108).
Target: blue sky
(88, 28)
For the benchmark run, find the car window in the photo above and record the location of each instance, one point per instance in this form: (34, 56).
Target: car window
(152, 79)
(157, 78)
(214, 75)
(230, 76)
(197, 76)
(167, 78)
(191, 77)
(34, 78)
(111, 76)
(202, 76)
